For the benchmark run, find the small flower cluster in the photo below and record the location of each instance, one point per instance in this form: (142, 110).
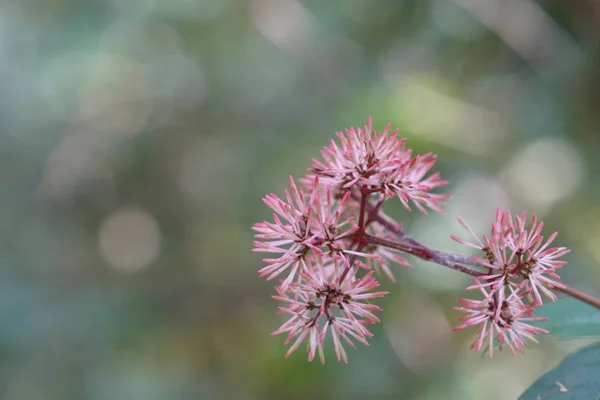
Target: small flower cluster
(520, 268)
(316, 235)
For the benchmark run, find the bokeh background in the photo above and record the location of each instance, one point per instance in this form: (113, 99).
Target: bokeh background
(137, 138)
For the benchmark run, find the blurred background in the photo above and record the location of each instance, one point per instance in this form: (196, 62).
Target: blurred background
(137, 138)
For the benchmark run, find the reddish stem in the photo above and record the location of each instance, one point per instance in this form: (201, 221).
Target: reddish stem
(427, 254)
(364, 194)
(580, 295)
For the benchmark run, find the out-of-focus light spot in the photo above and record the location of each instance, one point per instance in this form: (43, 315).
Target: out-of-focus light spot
(284, 22)
(115, 98)
(454, 21)
(444, 119)
(129, 239)
(544, 172)
(72, 164)
(420, 335)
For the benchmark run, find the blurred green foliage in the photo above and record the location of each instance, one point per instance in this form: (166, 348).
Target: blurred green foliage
(137, 138)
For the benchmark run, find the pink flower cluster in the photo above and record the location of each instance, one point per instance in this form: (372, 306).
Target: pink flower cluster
(520, 268)
(329, 236)
(316, 236)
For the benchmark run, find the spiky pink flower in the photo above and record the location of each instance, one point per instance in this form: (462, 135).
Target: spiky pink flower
(305, 227)
(333, 228)
(363, 153)
(515, 253)
(501, 321)
(407, 182)
(380, 162)
(321, 304)
(537, 263)
(288, 235)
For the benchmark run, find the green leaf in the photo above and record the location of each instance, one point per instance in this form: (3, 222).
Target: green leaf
(570, 318)
(577, 377)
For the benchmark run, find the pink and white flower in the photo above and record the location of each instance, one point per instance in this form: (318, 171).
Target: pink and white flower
(500, 321)
(321, 304)
(288, 235)
(305, 227)
(379, 161)
(515, 253)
